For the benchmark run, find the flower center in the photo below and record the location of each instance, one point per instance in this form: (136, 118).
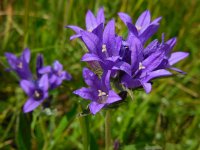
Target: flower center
(141, 66)
(101, 93)
(126, 47)
(104, 48)
(102, 97)
(38, 94)
(138, 28)
(20, 65)
(59, 73)
(90, 30)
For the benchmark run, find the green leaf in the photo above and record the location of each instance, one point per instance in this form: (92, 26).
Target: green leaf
(61, 127)
(130, 147)
(23, 136)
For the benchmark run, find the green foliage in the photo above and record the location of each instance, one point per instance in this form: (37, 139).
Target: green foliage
(168, 118)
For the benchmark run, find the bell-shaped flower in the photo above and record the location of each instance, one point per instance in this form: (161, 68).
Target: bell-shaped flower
(144, 28)
(169, 58)
(93, 24)
(56, 74)
(99, 91)
(20, 64)
(104, 49)
(37, 92)
(144, 69)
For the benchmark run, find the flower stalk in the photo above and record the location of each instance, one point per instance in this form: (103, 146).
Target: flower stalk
(84, 124)
(107, 131)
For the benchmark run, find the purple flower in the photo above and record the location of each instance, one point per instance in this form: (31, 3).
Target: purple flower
(99, 91)
(150, 62)
(36, 87)
(93, 24)
(169, 58)
(176, 57)
(56, 74)
(143, 27)
(129, 62)
(125, 53)
(102, 48)
(172, 58)
(143, 69)
(105, 49)
(37, 92)
(20, 65)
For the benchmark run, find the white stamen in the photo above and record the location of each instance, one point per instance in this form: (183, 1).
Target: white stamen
(59, 73)
(138, 28)
(141, 66)
(101, 93)
(37, 94)
(104, 48)
(90, 30)
(20, 65)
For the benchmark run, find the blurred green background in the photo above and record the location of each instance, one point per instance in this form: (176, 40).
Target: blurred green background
(166, 119)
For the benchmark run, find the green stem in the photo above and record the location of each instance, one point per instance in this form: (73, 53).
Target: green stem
(107, 130)
(84, 123)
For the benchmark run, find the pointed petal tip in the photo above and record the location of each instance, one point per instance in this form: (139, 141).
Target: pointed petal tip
(75, 92)
(85, 69)
(146, 11)
(85, 93)
(74, 37)
(27, 49)
(68, 76)
(7, 54)
(26, 55)
(89, 11)
(30, 105)
(101, 8)
(27, 86)
(69, 26)
(178, 70)
(147, 87)
(113, 97)
(26, 110)
(95, 107)
(177, 56)
(112, 21)
(125, 17)
(144, 19)
(44, 82)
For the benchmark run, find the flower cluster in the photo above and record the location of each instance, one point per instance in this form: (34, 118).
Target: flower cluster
(128, 62)
(36, 87)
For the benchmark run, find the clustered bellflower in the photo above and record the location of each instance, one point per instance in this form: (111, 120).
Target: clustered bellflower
(38, 86)
(127, 63)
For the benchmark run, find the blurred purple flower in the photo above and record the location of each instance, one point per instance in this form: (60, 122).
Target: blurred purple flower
(20, 65)
(46, 77)
(37, 92)
(56, 74)
(99, 91)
